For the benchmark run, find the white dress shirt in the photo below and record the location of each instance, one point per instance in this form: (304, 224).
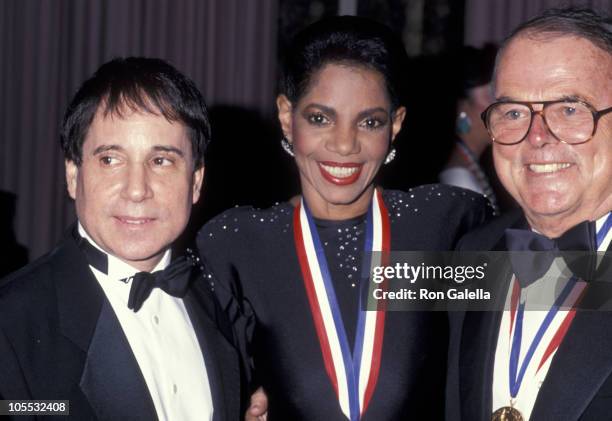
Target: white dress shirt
(163, 341)
(543, 290)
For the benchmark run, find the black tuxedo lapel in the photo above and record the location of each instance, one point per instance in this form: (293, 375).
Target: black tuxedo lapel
(87, 320)
(79, 297)
(112, 380)
(477, 356)
(220, 357)
(479, 339)
(481, 329)
(579, 367)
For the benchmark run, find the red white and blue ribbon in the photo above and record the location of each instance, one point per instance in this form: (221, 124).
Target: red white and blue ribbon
(571, 294)
(353, 374)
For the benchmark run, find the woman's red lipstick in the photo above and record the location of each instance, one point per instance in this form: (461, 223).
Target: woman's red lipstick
(341, 174)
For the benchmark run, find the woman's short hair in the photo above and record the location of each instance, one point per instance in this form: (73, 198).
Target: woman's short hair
(350, 40)
(136, 84)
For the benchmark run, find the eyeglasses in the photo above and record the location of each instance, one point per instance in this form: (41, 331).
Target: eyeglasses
(569, 121)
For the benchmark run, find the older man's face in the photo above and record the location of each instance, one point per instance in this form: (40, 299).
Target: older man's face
(552, 69)
(135, 186)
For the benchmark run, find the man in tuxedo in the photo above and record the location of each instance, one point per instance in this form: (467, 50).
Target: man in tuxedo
(112, 320)
(552, 143)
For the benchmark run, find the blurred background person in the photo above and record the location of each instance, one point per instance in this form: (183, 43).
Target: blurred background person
(473, 70)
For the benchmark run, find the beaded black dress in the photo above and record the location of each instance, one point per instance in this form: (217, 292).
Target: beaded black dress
(252, 258)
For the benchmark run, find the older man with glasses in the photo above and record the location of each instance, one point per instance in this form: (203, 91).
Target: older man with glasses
(570, 120)
(552, 142)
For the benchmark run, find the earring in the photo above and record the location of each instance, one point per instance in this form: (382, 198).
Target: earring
(390, 156)
(463, 124)
(287, 146)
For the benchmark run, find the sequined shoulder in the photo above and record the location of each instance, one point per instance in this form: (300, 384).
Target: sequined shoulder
(430, 198)
(242, 220)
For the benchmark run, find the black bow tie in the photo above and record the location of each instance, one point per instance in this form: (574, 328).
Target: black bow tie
(529, 267)
(173, 280)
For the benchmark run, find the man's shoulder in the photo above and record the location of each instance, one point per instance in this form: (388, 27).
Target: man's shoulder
(435, 197)
(33, 285)
(486, 236)
(28, 278)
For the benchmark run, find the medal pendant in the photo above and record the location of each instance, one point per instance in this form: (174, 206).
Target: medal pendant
(507, 413)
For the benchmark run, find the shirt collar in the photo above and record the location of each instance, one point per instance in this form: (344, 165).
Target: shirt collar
(598, 224)
(118, 269)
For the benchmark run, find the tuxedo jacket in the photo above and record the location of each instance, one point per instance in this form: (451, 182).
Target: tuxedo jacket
(60, 339)
(578, 385)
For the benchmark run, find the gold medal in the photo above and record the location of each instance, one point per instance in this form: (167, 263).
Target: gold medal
(507, 413)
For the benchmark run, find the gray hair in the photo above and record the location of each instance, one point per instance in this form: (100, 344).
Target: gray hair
(571, 21)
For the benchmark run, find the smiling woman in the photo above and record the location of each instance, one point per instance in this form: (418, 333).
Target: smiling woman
(341, 131)
(290, 276)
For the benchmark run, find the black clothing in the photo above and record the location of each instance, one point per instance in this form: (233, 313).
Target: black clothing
(578, 384)
(60, 339)
(252, 254)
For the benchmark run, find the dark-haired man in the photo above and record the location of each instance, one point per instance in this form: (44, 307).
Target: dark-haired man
(111, 320)
(552, 133)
